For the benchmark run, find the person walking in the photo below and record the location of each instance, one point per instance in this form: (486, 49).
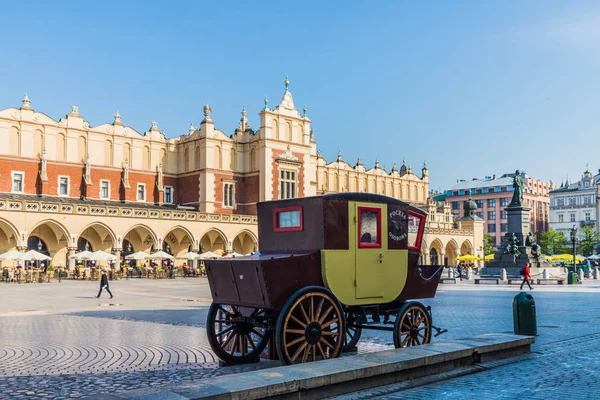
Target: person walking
(104, 285)
(459, 268)
(526, 272)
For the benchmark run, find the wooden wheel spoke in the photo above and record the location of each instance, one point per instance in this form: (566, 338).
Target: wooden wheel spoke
(312, 308)
(325, 314)
(298, 351)
(303, 313)
(423, 336)
(222, 321)
(322, 340)
(405, 341)
(227, 312)
(423, 328)
(296, 331)
(302, 324)
(224, 331)
(295, 341)
(228, 340)
(321, 350)
(306, 354)
(251, 342)
(329, 323)
(234, 344)
(320, 307)
(313, 351)
(329, 333)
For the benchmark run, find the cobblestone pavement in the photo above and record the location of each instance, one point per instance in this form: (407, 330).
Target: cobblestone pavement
(153, 337)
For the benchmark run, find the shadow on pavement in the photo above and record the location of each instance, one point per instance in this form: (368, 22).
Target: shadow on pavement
(191, 317)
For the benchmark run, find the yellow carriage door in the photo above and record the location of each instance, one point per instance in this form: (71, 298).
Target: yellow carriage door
(370, 243)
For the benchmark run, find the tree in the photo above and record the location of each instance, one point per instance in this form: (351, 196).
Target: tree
(589, 241)
(553, 242)
(488, 244)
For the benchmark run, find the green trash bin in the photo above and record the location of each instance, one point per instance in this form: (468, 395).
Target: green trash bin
(524, 317)
(572, 278)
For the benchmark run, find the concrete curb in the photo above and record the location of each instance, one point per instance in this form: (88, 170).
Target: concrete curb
(322, 379)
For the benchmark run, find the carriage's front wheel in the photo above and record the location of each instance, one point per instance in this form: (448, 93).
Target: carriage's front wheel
(412, 326)
(236, 334)
(310, 327)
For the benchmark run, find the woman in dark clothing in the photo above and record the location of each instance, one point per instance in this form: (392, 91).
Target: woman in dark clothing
(104, 285)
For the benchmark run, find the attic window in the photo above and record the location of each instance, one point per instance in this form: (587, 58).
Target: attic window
(288, 219)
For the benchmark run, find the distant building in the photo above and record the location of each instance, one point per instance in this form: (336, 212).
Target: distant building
(492, 195)
(575, 204)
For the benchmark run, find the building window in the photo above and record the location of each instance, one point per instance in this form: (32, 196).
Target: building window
(141, 192)
(480, 214)
(455, 193)
(492, 216)
(491, 202)
(503, 214)
(456, 205)
(17, 182)
(572, 217)
(287, 184)
(588, 216)
(491, 228)
(504, 227)
(560, 202)
(104, 189)
(572, 201)
(168, 195)
(587, 200)
(561, 218)
(479, 203)
(288, 219)
(503, 189)
(229, 194)
(478, 191)
(504, 201)
(63, 186)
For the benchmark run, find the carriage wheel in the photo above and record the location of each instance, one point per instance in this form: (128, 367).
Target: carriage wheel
(310, 327)
(412, 326)
(234, 333)
(352, 334)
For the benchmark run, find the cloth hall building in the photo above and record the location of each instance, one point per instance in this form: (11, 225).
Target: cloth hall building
(66, 186)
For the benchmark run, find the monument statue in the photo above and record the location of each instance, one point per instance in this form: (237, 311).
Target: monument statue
(513, 247)
(518, 190)
(536, 252)
(529, 240)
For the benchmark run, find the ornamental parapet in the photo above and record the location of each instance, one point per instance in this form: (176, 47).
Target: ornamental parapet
(446, 231)
(123, 210)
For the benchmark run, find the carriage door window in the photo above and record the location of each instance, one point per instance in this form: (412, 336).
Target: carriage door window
(369, 227)
(416, 223)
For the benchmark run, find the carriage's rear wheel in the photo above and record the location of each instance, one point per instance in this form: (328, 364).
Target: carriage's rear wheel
(237, 335)
(352, 333)
(412, 326)
(310, 327)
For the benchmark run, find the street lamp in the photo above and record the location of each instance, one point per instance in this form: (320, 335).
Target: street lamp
(574, 241)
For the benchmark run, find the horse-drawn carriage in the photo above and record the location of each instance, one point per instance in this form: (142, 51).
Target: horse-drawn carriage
(329, 266)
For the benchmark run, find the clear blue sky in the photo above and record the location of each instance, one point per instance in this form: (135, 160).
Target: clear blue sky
(456, 83)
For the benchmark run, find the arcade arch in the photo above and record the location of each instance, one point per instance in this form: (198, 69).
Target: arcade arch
(178, 241)
(55, 238)
(451, 252)
(213, 240)
(99, 236)
(8, 236)
(141, 238)
(466, 248)
(244, 242)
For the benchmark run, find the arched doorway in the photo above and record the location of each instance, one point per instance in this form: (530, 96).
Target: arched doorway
(54, 238)
(141, 238)
(244, 243)
(433, 257)
(84, 245)
(213, 240)
(466, 248)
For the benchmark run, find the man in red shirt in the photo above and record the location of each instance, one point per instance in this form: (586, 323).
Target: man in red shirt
(526, 276)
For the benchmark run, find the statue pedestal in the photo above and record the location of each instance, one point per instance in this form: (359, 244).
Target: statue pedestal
(518, 223)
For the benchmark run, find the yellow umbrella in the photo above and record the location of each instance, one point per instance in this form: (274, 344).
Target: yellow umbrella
(489, 257)
(566, 257)
(467, 257)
